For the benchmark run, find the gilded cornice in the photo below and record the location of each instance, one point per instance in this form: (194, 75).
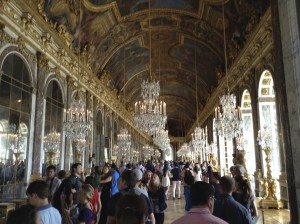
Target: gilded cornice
(255, 50)
(31, 25)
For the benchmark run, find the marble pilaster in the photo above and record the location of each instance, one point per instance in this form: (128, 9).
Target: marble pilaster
(289, 14)
(42, 69)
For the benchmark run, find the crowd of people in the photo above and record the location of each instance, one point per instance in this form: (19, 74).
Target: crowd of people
(138, 193)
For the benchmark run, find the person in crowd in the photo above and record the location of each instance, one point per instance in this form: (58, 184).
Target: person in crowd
(69, 187)
(149, 166)
(128, 166)
(97, 176)
(131, 209)
(105, 186)
(188, 179)
(146, 180)
(114, 180)
(26, 214)
(37, 193)
(122, 167)
(215, 181)
(138, 175)
(202, 202)
(95, 200)
(141, 167)
(227, 208)
(157, 194)
(244, 195)
(127, 185)
(52, 181)
(239, 172)
(82, 213)
(166, 180)
(197, 173)
(61, 175)
(176, 181)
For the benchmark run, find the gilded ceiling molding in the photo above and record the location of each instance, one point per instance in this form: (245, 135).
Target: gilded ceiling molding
(102, 8)
(259, 44)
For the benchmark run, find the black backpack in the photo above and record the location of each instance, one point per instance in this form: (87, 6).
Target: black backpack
(188, 178)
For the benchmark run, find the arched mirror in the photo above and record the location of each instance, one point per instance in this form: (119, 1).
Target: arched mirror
(53, 125)
(15, 112)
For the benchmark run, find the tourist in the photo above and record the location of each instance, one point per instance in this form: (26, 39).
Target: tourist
(188, 179)
(202, 202)
(52, 181)
(105, 187)
(26, 214)
(95, 200)
(227, 208)
(157, 194)
(114, 180)
(176, 181)
(166, 179)
(37, 193)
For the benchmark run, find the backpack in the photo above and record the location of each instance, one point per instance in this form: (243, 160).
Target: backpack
(188, 178)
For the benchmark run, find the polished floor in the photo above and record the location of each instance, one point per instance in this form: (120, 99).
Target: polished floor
(271, 216)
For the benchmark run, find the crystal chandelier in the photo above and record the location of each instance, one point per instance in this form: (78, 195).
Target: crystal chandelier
(198, 138)
(228, 123)
(124, 139)
(150, 114)
(15, 138)
(52, 141)
(161, 139)
(77, 118)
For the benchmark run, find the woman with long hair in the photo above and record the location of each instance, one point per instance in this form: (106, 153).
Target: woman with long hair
(157, 194)
(244, 195)
(166, 179)
(95, 200)
(83, 213)
(197, 173)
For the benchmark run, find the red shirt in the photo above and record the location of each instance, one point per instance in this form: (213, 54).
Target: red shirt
(94, 200)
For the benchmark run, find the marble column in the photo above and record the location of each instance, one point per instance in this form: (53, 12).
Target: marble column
(89, 137)
(289, 20)
(42, 70)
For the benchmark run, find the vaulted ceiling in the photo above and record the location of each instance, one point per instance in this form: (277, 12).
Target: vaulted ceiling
(187, 41)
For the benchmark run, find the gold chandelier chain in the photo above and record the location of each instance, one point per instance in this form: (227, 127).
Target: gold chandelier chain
(225, 49)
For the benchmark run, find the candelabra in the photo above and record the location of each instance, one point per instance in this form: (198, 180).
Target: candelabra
(52, 145)
(269, 183)
(79, 149)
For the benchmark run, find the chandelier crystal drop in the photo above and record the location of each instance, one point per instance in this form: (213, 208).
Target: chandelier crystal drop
(124, 139)
(77, 119)
(229, 123)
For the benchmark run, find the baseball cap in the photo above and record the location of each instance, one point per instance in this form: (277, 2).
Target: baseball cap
(137, 173)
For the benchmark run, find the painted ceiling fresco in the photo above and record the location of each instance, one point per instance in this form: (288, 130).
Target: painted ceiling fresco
(178, 28)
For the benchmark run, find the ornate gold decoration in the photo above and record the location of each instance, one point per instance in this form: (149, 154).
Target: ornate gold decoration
(40, 8)
(46, 39)
(26, 20)
(35, 176)
(243, 162)
(43, 62)
(21, 44)
(269, 185)
(62, 31)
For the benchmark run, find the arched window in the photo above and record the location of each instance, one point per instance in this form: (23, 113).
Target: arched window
(15, 109)
(53, 117)
(248, 132)
(268, 116)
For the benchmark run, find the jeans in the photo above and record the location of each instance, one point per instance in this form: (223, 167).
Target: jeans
(159, 218)
(176, 184)
(187, 195)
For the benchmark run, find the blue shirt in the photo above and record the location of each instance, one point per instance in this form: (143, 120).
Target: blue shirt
(49, 215)
(114, 182)
(231, 211)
